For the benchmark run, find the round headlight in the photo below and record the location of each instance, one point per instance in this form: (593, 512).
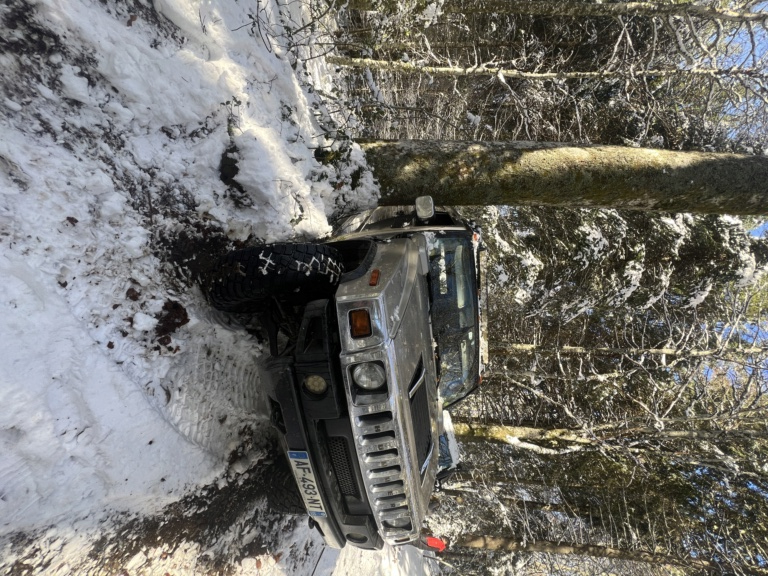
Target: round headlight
(369, 375)
(315, 384)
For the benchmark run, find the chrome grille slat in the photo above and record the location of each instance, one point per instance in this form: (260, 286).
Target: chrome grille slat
(378, 445)
(376, 428)
(389, 505)
(392, 515)
(388, 490)
(383, 462)
(382, 477)
(372, 408)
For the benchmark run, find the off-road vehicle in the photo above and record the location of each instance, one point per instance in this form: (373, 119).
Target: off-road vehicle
(372, 334)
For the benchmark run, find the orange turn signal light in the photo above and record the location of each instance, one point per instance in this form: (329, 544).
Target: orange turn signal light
(360, 323)
(374, 281)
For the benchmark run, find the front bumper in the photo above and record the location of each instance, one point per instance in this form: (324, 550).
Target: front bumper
(320, 426)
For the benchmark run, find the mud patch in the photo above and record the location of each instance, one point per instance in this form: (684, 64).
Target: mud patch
(211, 530)
(194, 251)
(173, 316)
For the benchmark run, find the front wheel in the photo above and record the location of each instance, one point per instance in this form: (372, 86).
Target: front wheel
(295, 273)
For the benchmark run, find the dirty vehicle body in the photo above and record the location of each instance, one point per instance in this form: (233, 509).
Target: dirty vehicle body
(372, 334)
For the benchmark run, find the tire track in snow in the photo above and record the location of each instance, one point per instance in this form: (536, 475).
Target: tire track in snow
(210, 390)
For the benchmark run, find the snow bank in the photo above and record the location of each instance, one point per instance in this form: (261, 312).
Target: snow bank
(122, 390)
(79, 434)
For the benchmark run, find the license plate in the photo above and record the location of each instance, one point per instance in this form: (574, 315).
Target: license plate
(305, 478)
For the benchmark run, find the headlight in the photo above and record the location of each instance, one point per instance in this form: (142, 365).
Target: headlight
(369, 375)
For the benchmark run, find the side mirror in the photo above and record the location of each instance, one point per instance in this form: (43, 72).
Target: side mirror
(425, 207)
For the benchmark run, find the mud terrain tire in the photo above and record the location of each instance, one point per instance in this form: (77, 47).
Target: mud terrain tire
(296, 273)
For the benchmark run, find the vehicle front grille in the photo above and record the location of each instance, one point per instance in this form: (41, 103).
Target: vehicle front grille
(383, 469)
(388, 456)
(421, 425)
(342, 466)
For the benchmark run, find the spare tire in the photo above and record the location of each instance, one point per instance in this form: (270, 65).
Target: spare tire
(296, 273)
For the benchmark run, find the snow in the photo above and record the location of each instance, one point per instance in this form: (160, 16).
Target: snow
(390, 561)
(431, 13)
(79, 426)
(595, 243)
(633, 276)
(473, 119)
(699, 297)
(123, 392)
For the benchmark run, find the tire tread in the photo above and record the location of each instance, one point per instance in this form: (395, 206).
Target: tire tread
(244, 277)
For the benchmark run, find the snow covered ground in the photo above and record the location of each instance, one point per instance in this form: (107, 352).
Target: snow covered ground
(137, 140)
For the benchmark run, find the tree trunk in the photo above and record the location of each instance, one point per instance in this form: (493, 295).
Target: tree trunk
(457, 71)
(516, 435)
(542, 546)
(581, 9)
(512, 347)
(475, 431)
(561, 174)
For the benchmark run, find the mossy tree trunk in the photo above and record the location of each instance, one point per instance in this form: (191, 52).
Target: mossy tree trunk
(561, 174)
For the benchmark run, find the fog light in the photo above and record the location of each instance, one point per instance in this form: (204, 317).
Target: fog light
(315, 384)
(369, 375)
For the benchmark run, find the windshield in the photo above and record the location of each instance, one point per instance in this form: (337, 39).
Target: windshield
(454, 314)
